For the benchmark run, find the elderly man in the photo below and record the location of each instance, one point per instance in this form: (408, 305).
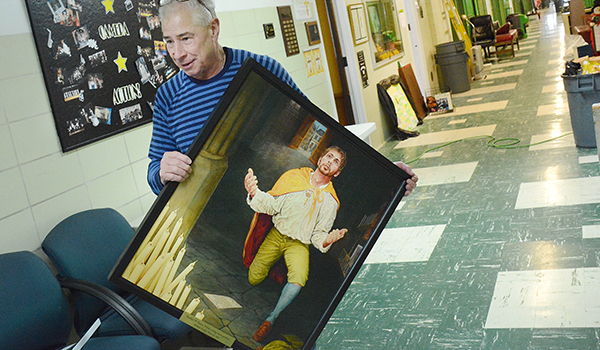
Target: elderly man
(184, 103)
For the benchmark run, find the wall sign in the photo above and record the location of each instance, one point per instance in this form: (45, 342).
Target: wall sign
(102, 63)
(288, 30)
(363, 68)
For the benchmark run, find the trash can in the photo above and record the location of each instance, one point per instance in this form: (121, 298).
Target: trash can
(452, 59)
(582, 92)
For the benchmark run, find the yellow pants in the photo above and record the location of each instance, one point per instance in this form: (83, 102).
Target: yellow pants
(295, 253)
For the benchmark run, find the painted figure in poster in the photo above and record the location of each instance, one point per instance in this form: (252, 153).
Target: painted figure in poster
(302, 206)
(184, 103)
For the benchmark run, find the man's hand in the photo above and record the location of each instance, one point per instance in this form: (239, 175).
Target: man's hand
(334, 236)
(410, 183)
(251, 183)
(174, 166)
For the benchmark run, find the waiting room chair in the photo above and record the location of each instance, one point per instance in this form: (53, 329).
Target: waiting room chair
(85, 247)
(506, 39)
(482, 32)
(35, 313)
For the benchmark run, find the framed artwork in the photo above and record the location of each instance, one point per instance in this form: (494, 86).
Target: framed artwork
(358, 22)
(440, 102)
(309, 63)
(193, 254)
(102, 63)
(312, 33)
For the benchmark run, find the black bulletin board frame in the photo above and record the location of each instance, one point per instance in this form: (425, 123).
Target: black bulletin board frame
(272, 131)
(102, 62)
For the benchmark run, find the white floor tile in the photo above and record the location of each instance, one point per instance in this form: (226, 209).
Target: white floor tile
(487, 82)
(445, 174)
(488, 89)
(433, 154)
(482, 107)
(555, 72)
(566, 141)
(557, 109)
(558, 193)
(401, 205)
(440, 137)
(510, 64)
(590, 231)
(562, 298)
(522, 54)
(457, 121)
(528, 47)
(588, 159)
(405, 244)
(511, 73)
(474, 99)
(559, 86)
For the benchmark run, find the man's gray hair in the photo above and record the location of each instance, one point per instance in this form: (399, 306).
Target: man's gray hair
(203, 10)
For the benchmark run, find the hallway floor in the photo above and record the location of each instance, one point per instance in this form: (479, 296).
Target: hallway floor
(496, 248)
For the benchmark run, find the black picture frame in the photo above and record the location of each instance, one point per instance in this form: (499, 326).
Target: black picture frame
(102, 63)
(312, 33)
(262, 123)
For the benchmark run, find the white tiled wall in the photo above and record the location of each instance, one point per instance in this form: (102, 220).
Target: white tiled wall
(40, 185)
(244, 30)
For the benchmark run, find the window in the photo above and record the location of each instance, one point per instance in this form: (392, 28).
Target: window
(383, 23)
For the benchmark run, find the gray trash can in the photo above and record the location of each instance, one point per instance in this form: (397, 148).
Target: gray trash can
(452, 59)
(582, 92)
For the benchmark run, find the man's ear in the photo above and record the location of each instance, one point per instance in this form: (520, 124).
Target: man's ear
(336, 174)
(215, 28)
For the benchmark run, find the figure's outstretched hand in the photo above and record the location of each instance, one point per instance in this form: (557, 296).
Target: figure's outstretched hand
(174, 166)
(410, 183)
(251, 183)
(334, 236)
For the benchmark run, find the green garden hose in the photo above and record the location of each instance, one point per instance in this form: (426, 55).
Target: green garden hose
(503, 143)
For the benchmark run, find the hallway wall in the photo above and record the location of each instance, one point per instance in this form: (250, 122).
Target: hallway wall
(434, 28)
(40, 185)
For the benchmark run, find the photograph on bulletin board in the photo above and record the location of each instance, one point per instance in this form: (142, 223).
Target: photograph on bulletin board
(267, 167)
(102, 63)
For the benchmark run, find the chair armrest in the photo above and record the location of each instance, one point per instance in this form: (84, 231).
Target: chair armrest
(112, 299)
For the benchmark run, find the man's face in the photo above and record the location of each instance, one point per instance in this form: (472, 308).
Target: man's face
(329, 163)
(194, 48)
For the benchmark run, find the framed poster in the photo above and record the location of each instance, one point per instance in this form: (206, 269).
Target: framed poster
(358, 22)
(102, 63)
(312, 33)
(193, 252)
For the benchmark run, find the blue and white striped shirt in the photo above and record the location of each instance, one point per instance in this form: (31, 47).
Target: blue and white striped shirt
(183, 104)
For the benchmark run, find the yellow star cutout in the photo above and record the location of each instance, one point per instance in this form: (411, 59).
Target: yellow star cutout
(108, 6)
(120, 62)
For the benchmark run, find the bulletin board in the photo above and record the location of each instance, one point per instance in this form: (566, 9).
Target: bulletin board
(102, 63)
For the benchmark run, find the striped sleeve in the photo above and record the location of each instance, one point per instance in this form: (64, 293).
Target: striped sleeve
(162, 140)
